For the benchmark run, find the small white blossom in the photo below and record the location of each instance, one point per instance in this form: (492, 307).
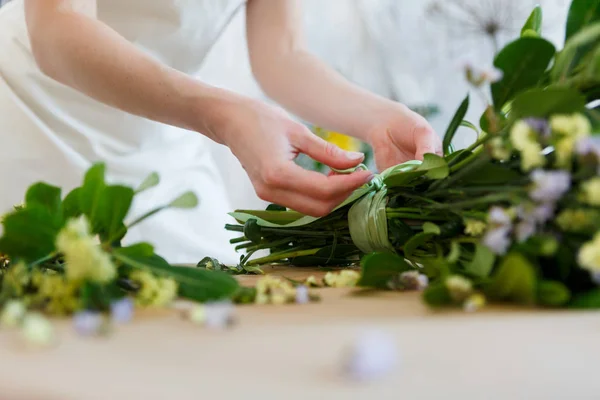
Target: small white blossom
(219, 315)
(524, 230)
(588, 145)
(372, 356)
(88, 323)
(302, 295)
(37, 330)
(459, 287)
(12, 313)
(413, 280)
(549, 186)
(498, 240)
(499, 216)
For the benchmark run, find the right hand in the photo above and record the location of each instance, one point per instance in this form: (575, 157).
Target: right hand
(266, 142)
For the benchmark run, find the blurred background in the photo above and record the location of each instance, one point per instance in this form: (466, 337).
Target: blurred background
(410, 51)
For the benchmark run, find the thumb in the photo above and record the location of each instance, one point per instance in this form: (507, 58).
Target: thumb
(325, 152)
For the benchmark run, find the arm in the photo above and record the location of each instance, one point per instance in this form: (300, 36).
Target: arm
(298, 80)
(73, 47)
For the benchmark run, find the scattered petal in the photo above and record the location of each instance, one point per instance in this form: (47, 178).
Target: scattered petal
(302, 295)
(122, 310)
(372, 356)
(219, 315)
(37, 330)
(88, 323)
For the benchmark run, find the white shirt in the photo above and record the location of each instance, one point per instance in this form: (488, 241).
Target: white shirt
(50, 132)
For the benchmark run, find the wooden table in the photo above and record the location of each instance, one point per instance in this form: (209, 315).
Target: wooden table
(295, 352)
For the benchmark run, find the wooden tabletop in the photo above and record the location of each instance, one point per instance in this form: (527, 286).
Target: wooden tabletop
(296, 352)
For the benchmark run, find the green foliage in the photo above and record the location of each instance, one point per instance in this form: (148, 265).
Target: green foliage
(581, 14)
(379, 268)
(523, 63)
(533, 26)
(455, 124)
(515, 280)
(543, 102)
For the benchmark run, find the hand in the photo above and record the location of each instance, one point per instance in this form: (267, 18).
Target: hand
(266, 142)
(403, 137)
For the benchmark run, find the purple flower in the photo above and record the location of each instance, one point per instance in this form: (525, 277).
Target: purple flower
(524, 230)
(588, 145)
(219, 315)
(122, 310)
(499, 216)
(549, 186)
(498, 240)
(540, 125)
(413, 280)
(373, 355)
(596, 278)
(88, 323)
(302, 295)
(539, 214)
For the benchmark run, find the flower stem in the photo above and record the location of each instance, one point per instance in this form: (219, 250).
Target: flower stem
(281, 256)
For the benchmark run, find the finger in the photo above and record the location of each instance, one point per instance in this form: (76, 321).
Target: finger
(426, 143)
(304, 203)
(323, 187)
(325, 152)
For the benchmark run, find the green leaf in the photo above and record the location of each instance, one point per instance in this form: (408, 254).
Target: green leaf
(186, 200)
(151, 181)
(252, 231)
(194, 283)
(437, 295)
(574, 51)
(430, 227)
(433, 166)
(379, 268)
(515, 280)
(482, 263)
(400, 233)
(552, 294)
(91, 190)
(581, 14)
(112, 208)
(543, 102)
(523, 63)
(417, 241)
(44, 195)
(533, 26)
(491, 174)
(587, 300)
(455, 252)
(71, 205)
(455, 124)
(30, 233)
(137, 250)
(338, 255)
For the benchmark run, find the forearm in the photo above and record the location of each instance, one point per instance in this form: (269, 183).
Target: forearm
(317, 93)
(101, 64)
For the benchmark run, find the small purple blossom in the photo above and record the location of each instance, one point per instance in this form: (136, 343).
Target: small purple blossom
(596, 278)
(413, 280)
(372, 356)
(588, 145)
(121, 311)
(549, 186)
(302, 295)
(498, 240)
(524, 230)
(539, 125)
(88, 323)
(219, 315)
(499, 216)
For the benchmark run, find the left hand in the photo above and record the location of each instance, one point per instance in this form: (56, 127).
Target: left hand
(403, 137)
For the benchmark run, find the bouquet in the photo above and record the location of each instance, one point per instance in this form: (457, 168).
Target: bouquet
(514, 217)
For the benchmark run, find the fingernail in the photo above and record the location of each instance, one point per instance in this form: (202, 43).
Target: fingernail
(370, 178)
(354, 155)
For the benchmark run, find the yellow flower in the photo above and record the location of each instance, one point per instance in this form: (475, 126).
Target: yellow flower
(274, 290)
(84, 259)
(153, 291)
(591, 191)
(575, 126)
(521, 135)
(589, 255)
(532, 157)
(564, 152)
(37, 330)
(15, 279)
(311, 281)
(474, 227)
(58, 295)
(579, 220)
(498, 149)
(459, 287)
(474, 302)
(345, 278)
(340, 140)
(12, 313)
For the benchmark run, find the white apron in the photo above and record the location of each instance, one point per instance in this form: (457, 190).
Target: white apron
(49, 132)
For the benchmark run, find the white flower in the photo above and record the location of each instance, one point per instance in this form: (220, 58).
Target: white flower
(372, 356)
(219, 315)
(88, 323)
(84, 259)
(588, 145)
(549, 186)
(413, 280)
(498, 240)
